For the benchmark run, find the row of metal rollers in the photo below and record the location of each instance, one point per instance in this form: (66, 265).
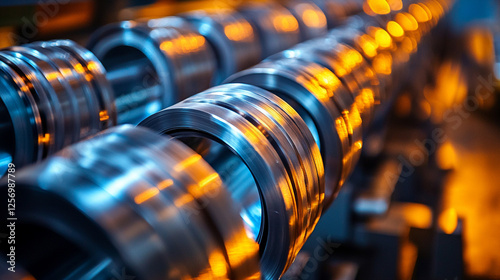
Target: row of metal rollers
(59, 92)
(282, 154)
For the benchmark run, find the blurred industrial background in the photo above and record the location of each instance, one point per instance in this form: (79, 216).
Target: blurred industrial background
(424, 200)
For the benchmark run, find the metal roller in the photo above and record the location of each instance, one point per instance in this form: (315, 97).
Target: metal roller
(347, 65)
(311, 19)
(55, 95)
(320, 105)
(277, 28)
(386, 43)
(130, 200)
(235, 42)
(264, 154)
(351, 35)
(153, 64)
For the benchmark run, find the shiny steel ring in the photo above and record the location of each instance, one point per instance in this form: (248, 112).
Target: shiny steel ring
(347, 64)
(233, 39)
(277, 28)
(49, 110)
(159, 227)
(343, 100)
(315, 106)
(230, 115)
(153, 64)
(276, 115)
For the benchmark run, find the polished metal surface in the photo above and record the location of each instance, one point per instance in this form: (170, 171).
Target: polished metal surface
(153, 64)
(312, 21)
(270, 148)
(235, 42)
(345, 64)
(277, 28)
(127, 194)
(54, 94)
(275, 146)
(288, 78)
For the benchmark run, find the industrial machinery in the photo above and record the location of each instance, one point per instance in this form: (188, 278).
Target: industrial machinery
(252, 140)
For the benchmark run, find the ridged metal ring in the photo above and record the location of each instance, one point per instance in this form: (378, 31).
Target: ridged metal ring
(50, 102)
(156, 225)
(147, 64)
(292, 136)
(233, 39)
(288, 79)
(279, 156)
(277, 28)
(347, 64)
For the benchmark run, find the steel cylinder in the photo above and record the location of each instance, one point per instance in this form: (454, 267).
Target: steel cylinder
(54, 94)
(153, 64)
(234, 40)
(130, 200)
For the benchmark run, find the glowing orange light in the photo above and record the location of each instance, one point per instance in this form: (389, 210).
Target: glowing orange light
(79, 68)
(313, 18)
(407, 21)
(417, 215)
(381, 36)
(380, 7)
(382, 63)
(44, 139)
(341, 128)
(239, 31)
(52, 76)
(448, 220)
(446, 156)
(350, 58)
(184, 199)
(183, 44)
(285, 23)
(240, 248)
(319, 92)
(395, 5)
(435, 8)
(358, 145)
(481, 45)
(349, 126)
(167, 46)
(355, 116)
(409, 44)
(103, 115)
(93, 66)
(450, 89)
(419, 13)
(165, 184)
(207, 180)
(65, 71)
(327, 80)
(426, 108)
(395, 29)
(218, 264)
(365, 99)
(145, 195)
(187, 162)
(368, 45)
